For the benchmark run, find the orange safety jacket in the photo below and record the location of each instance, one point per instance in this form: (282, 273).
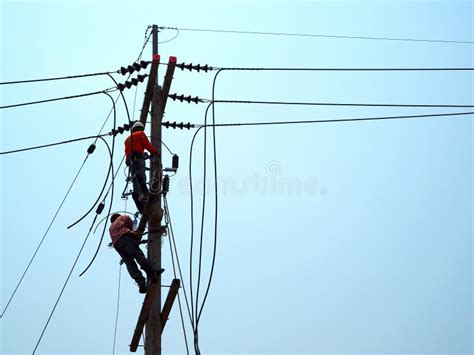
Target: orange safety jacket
(137, 142)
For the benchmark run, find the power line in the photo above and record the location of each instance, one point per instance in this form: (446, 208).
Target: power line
(171, 39)
(338, 104)
(167, 148)
(65, 284)
(111, 152)
(57, 78)
(83, 244)
(316, 35)
(171, 236)
(50, 144)
(336, 69)
(51, 100)
(109, 171)
(432, 115)
(172, 239)
(201, 239)
(118, 307)
(329, 69)
(44, 236)
(112, 185)
(216, 200)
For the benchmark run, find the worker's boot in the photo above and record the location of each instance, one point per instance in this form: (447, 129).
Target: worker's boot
(142, 287)
(156, 274)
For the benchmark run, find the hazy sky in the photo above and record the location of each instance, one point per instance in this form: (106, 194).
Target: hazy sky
(332, 238)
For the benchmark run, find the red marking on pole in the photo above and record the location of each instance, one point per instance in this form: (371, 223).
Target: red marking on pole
(156, 57)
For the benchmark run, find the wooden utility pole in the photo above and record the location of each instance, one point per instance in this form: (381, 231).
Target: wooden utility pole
(153, 325)
(151, 313)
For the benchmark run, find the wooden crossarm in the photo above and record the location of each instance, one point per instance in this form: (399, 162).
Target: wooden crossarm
(143, 317)
(149, 88)
(175, 284)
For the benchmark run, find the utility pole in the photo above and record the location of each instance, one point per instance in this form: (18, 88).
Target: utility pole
(151, 312)
(153, 325)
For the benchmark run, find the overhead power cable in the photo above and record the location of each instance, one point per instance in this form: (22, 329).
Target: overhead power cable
(57, 78)
(429, 115)
(138, 59)
(65, 283)
(44, 236)
(118, 308)
(50, 144)
(110, 170)
(206, 68)
(216, 200)
(55, 99)
(112, 185)
(201, 239)
(98, 211)
(174, 248)
(349, 104)
(174, 252)
(421, 69)
(317, 35)
(339, 104)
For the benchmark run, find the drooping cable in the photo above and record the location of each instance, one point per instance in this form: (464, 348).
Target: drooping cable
(171, 39)
(105, 197)
(316, 35)
(61, 204)
(216, 200)
(192, 227)
(215, 213)
(65, 283)
(201, 239)
(44, 236)
(123, 98)
(162, 142)
(118, 307)
(110, 170)
(173, 241)
(171, 236)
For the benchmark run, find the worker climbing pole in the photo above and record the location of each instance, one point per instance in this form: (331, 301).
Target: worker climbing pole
(135, 145)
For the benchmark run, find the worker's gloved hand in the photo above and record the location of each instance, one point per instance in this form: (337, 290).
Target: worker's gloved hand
(137, 236)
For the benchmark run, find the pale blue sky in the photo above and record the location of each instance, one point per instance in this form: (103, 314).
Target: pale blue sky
(333, 238)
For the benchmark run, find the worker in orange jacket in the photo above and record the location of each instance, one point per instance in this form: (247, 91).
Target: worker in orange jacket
(135, 145)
